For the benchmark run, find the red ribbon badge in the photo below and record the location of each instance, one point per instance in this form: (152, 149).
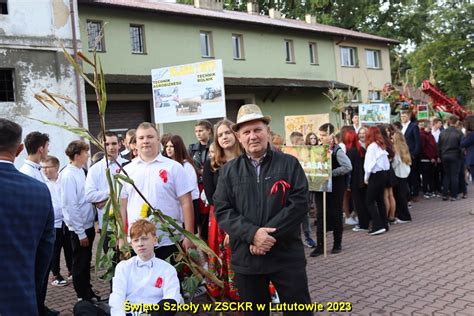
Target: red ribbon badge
(163, 175)
(159, 282)
(284, 185)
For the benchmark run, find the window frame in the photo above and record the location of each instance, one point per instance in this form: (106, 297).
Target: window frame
(356, 94)
(379, 96)
(313, 53)
(289, 51)
(240, 48)
(6, 91)
(141, 28)
(209, 46)
(354, 56)
(89, 40)
(377, 58)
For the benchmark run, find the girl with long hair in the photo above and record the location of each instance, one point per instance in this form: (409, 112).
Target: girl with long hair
(390, 205)
(401, 166)
(376, 166)
(311, 139)
(226, 148)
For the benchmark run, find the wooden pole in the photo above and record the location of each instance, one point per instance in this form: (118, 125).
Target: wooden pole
(324, 224)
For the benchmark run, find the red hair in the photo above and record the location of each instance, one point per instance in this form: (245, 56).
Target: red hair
(351, 140)
(374, 136)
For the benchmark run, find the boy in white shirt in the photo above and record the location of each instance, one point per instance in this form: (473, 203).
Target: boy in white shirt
(144, 279)
(37, 145)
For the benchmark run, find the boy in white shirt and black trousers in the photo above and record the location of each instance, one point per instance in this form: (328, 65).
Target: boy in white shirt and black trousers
(79, 217)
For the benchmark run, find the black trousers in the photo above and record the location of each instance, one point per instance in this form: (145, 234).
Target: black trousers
(81, 264)
(63, 240)
(438, 177)
(375, 201)
(414, 178)
(291, 284)
(428, 174)
(462, 178)
(333, 217)
(451, 176)
(359, 197)
(400, 193)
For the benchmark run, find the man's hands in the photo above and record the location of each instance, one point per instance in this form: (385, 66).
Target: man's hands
(100, 204)
(262, 241)
(84, 242)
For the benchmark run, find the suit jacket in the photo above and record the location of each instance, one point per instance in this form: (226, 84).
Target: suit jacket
(26, 243)
(412, 137)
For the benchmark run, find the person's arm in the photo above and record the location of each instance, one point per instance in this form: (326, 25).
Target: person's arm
(188, 216)
(119, 291)
(416, 137)
(70, 202)
(369, 162)
(208, 181)
(345, 165)
(468, 140)
(94, 191)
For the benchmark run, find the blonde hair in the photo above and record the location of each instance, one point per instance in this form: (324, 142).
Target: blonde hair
(400, 147)
(219, 158)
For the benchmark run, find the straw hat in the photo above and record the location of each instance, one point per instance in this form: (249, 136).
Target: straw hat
(250, 112)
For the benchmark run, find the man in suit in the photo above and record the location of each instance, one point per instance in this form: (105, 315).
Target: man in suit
(411, 132)
(27, 226)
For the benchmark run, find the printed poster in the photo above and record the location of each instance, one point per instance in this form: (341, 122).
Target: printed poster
(374, 113)
(423, 112)
(188, 92)
(304, 124)
(316, 163)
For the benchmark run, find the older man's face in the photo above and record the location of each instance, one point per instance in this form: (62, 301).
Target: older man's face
(254, 137)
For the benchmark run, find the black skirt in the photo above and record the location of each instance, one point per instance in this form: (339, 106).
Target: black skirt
(391, 179)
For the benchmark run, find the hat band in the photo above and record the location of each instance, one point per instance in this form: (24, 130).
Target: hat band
(250, 117)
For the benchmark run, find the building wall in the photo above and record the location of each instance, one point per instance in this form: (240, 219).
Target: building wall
(30, 44)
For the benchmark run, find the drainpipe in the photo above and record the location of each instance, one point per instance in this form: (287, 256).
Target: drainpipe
(76, 58)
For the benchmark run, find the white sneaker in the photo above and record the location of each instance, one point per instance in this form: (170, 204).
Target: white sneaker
(358, 229)
(377, 232)
(275, 298)
(399, 221)
(351, 221)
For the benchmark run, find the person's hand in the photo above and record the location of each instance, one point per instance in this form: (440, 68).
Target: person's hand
(263, 240)
(226, 240)
(187, 244)
(97, 228)
(84, 242)
(257, 251)
(100, 204)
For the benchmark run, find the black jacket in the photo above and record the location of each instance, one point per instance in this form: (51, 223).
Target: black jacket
(449, 143)
(412, 137)
(244, 203)
(199, 153)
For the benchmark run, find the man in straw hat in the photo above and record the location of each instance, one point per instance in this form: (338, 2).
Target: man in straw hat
(261, 201)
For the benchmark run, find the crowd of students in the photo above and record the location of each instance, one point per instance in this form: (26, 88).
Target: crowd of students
(377, 172)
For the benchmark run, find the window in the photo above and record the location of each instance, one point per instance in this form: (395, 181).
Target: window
(349, 56)
(237, 46)
(355, 96)
(7, 94)
(137, 39)
(3, 7)
(373, 58)
(95, 36)
(375, 96)
(206, 44)
(313, 54)
(290, 53)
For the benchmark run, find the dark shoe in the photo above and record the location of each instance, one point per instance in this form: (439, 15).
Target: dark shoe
(336, 249)
(392, 221)
(316, 252)
(445, 198)
(50, 312)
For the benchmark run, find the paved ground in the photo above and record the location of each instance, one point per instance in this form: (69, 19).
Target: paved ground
(422, 268)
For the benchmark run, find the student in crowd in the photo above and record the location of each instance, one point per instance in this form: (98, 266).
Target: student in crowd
(296, 139)
(277, 141)
(463, 168)
(227, 148)
(436, 128)
(468, 143)
(341, 165)
(449, 149)
(50, 167)
(79, 217)
(347, 207)
(428, 160)
(312, 140)
(401, 166)
(133, 148)
(356, 123)
(376, 166)
(144, 279)
(164, 140)
(361, 135)
(126, 142)
(176, 150)
(37, 145)
(386, 131)
(412, 136)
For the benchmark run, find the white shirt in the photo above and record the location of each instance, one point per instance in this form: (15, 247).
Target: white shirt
(143, 283)
(55, 191)
(162, 181)
(97, 187)
(435, 134)
(357, 128)
(191, 172)
(404, 127)
(402, 170)
(33, 170)
(376, 159)
(78, 213)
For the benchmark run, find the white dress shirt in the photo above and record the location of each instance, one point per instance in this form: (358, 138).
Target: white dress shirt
(404, 127)
(402, 170)
(435, 134)
(97, 187)
(376, 159)
(142, 282)
(163, 192)
(33, 170)
(191, 172)
(78, 213)
(55, 191)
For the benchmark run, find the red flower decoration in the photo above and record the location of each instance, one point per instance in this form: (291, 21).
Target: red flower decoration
(284, 185)
(117, 170)
(163, 175)
(159, 282)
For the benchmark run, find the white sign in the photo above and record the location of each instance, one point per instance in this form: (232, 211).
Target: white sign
(374, 113)
(188, 92)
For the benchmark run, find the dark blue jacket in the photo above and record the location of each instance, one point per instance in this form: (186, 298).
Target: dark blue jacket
(26, 243)
(468, 143)
(412, 137)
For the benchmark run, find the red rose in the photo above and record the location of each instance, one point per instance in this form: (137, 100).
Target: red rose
(159, 282)
(163, 175)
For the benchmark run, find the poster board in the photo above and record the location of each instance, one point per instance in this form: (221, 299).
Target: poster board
(188, 92)
(316, 163)
(422, 112)
(304, 124)
(374, 113)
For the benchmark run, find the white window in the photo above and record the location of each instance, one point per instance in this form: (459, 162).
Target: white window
(375, 96)
(289, 51)
(94, 36)
(355, 96)
(7, 93)
(3, 7)
(237, 46)
(313, 54)
(137, 39)
(373, 58)
(349, 56)
(206, 44)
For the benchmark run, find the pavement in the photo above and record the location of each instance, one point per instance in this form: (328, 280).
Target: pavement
(425, 267)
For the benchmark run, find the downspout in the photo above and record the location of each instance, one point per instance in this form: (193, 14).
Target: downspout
(76, 58)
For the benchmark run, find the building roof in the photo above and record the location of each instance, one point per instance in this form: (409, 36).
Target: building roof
(243, 17)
